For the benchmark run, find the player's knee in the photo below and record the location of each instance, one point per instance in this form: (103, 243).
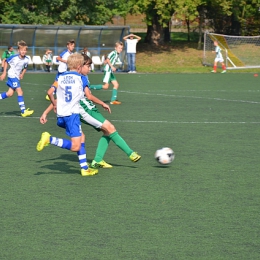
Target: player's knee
(75, 148)
(116, 85)
(105, 86)
(112, 128)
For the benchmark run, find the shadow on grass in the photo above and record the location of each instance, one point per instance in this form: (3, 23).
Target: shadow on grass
(162, 166)
(59, 168)
(64, 167)
(11, 113)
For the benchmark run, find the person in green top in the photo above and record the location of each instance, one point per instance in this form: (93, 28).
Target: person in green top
(9, 52)
(109, 75)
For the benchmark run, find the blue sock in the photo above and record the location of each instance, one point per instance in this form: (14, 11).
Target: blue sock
(21, 103)
(82, 157)
(62, 143)
(3, 95)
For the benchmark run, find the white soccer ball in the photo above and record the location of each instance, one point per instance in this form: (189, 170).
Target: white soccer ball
(164, 155)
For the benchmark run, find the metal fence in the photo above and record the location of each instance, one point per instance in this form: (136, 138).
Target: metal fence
(100, 40)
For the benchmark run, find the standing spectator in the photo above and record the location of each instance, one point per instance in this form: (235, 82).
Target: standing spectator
(9, 52)
(131, 41)
(47, 59)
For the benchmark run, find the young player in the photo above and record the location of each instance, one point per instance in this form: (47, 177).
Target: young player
(109, 75)
(62, 58)
(90, 115)
(71, 88)
(47, 59)
(18, 65)
(219, 58)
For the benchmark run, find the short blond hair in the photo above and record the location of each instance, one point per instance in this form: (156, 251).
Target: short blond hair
(75, 60)
(119, 43)
(21, 44)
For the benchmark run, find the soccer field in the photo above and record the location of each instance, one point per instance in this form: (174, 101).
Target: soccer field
(205, 205)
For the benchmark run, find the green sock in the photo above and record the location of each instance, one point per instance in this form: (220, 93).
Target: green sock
(97, 87)
(121, 143)
(114, 94)
(102, 148)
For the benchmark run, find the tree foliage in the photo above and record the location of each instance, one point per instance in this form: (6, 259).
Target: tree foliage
(225, 16)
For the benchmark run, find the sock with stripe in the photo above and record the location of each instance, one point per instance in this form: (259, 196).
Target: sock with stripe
(3, 95)
(82, 157)
(21, 103)
(60, 142)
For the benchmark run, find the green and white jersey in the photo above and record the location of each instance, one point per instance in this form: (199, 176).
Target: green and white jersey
(7, 54)
(218, 53)
(113, 57)
(87, 104)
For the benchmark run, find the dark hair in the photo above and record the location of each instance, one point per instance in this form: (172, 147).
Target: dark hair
(87, 59)
(10, 47)
(71, 42)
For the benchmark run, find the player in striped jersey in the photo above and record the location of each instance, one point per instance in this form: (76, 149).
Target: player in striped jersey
(18, 65)
(109, 75)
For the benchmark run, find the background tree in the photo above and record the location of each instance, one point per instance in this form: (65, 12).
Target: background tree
(56, 12)
(158, 14)
(188, 10)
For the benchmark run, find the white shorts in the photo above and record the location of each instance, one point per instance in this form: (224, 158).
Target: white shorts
(219, 60)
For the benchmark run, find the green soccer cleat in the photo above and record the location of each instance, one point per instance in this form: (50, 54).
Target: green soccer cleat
(135, 157)
(44, 141)
(89, 172)
(101, 164)
(27, 112)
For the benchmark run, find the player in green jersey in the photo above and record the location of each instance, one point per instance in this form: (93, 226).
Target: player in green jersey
(109, 75)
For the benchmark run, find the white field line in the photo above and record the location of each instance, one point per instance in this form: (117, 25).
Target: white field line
(142, 121)
(180, 96)
(194, 97)
(166, 122)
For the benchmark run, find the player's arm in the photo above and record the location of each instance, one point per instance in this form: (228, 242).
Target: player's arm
(43, 118)
(110, 64)
(23, 71)
(62, 60)
(4, 72)
(51, 96)
(94, 99)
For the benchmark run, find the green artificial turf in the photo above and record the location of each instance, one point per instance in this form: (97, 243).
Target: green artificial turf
(205, 205)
